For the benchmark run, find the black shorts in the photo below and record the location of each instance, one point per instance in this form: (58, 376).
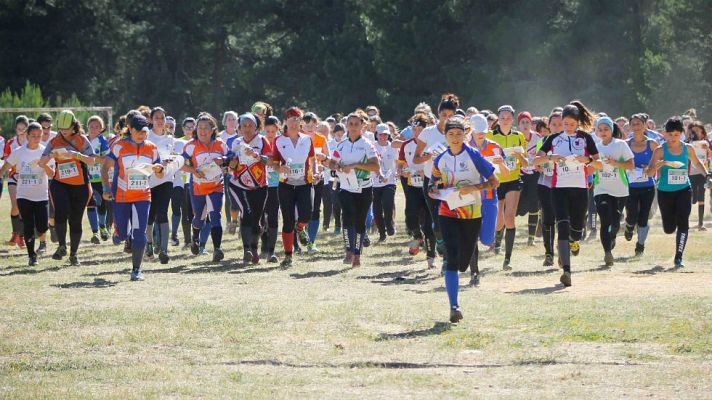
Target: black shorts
(529, 200)
(506, 187)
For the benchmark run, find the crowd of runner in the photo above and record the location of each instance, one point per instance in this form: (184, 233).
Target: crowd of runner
(465, 176)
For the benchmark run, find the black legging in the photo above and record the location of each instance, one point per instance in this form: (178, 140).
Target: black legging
(461, 236)
(316, 198)
(638, 205)
(548, 218)
(291, 196)
(98, 190)
(609, 209)
(270, 221)
(383, 207)
(570, 205)
(354, 208)
(160, 200)
(697, 183)
(34, 218)
(417, 218)
(69, 201)
(251, 204)
(179, 208)
(675, 208)
(433, 206)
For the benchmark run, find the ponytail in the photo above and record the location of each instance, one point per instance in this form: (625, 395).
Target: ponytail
(578, 111)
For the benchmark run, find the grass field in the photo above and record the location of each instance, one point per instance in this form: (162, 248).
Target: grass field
(320, 330)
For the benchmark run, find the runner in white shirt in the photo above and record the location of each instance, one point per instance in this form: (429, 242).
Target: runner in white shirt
(230, 122)
(96, 209)
(337, 136)
(180, 203)
(293, 158)
(529, 198)
(611, 182)
(20, 139)
(698, 178)
(384, 183)
(32, 188)
(354, 159)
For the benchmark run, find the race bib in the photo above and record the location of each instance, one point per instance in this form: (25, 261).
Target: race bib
(29, 179)
(511, 163)
(548, 170)
(565, 170)
(677, 177)
(608, 176)
(296, 171)
(95, 171)
(416, 180)
(137, 182)
(637, 176)
(67, 170)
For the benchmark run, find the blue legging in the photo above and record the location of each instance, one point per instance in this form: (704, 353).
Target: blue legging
(490, 207)
(204, 205)
(135, 214)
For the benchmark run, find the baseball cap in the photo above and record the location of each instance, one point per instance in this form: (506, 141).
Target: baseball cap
(479, 123)
(138, 122)
(383, 128)
(65, 119)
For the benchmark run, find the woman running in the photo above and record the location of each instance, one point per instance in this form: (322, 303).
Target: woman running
(321, 150)
(161, 188)
(133, 159)
(96, 209)
(271, 212)
(181, 210)
(432, 143)
(204, 156)
(229, 121)
(698, 178)
(418, 219)
(671, 160)
(546, 203)
(324, 129)
(354, 160)
(641, 186)
(70, 189)
(293, 158)
(493, 153)
(570, 151)
(610, 188)
(513, 144)
(17, 142)
(465, 170)
(529, 199)
(248, 182)
(338, 134)
(32, 188)
(384, 183)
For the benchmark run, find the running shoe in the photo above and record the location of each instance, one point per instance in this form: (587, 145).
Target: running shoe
(247, 256)
(60, 253)
(701, 228)
(174, 240)
(530, 241)
(548, 260)
(195, 248)
(311, 248)
(431, 262)
(104, 233)
(218, 255)
(42, 248)
(366, 240)
(287, 262)
(355, 261)
(507, 265)
(149, 251)
(639, 249)
(414, 247)
(95, 238)
(381, 237)
(474, 280)
(232, 228)
(136, 276)
(163, 257)
(52, 234)
(390, 230)
(73, 260)
(13, 240)
(628, 233)
(273, 259)
(455, 315)
(255, 258)
(679, 263)
(575, 247)
(608, 259)
(347, 257)
(303, 237)
(20, 241)
(203, 251)
(33, 260)
(497, 249)
(337, 230)
(566, 279)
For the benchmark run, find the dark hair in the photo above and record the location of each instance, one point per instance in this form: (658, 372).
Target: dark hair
(674, 124)
(145, 111)
(309, 117)
(77, 128)
(455, 122)
(419, 119)
(640, 116)
(206, 116)
(120, 125)
(578, 111)
(693, 124)
(449, 101)
(189, 119)
(617, 133)
(21, 119)
(540, 124)
(272, 120)
(32, 126)
(44, 117)
(339, 127)
(154, 110)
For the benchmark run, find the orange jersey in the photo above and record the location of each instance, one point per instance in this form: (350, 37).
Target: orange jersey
(130, 186)
(71, 172)
(200, 156)
(489, 148)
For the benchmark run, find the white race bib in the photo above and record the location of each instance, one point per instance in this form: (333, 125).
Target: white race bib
(511, 163)
(29, 179)
(67, 170)
(677, 177)
(416, 180)
(637, 176)
(137, 181)
(296, 171)
(95, 171)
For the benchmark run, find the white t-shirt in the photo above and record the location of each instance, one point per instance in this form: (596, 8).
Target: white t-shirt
(609, 180)
(51, 136)
(165, 144)
(435, 143)
(180, 177)
(296, 157)
(358, 152)
(225, 137)
(701, 147)
(407, 153)
(32, 182)
(387, 157)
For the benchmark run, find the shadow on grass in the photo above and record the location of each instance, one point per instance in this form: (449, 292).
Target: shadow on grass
(105, 273)
(98, 283)
(520, 274)
(600, 268)
(367, 364)
(658, 269)
(404, 277)
(320, 274)
(544, 290)
(29, 271)
(436, 329)
(403, 261)
(276, 267)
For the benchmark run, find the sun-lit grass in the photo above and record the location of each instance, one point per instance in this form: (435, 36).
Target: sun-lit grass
(322, 330)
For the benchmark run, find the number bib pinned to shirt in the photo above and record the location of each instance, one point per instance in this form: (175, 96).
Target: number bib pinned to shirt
(137, 182)
(29, 179)
(67, 170)
(677, 177)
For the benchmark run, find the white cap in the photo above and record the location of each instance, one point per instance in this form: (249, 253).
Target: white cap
(383, 128)
(479, 123)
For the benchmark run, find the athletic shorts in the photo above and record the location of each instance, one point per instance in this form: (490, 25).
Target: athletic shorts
(506, 187)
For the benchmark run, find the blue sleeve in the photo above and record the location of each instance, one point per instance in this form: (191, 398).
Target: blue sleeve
(103, 146)
(484, 167)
